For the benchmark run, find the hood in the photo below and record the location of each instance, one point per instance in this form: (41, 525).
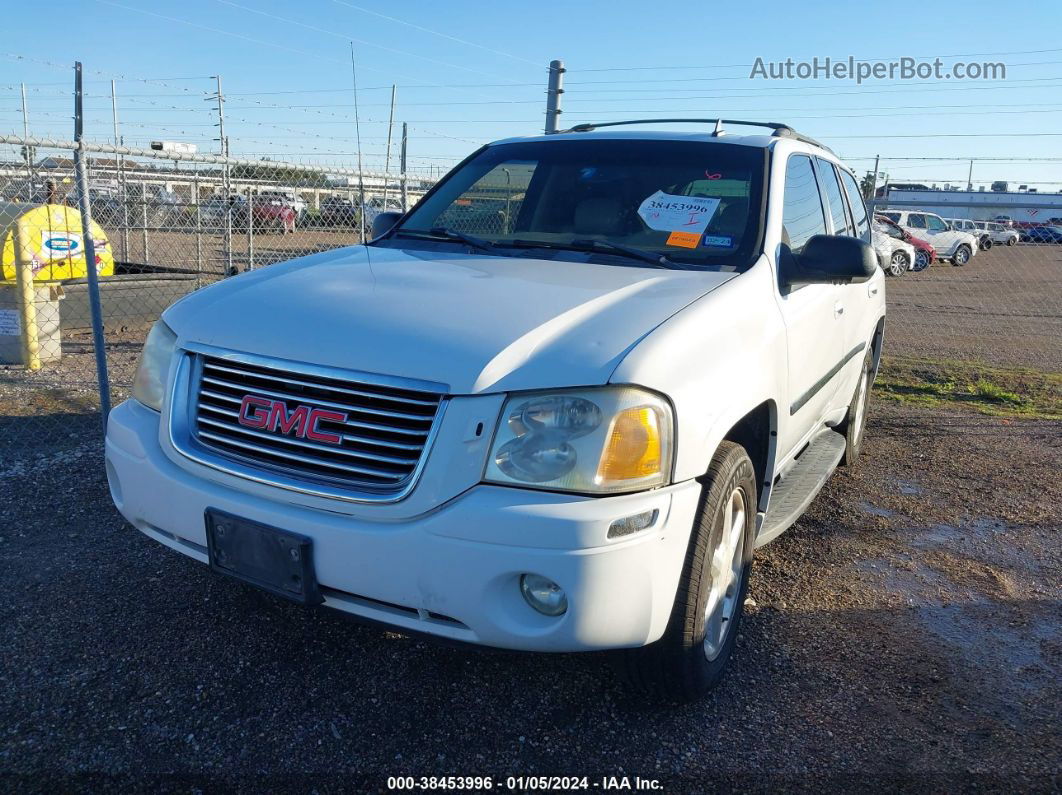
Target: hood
(472, 323)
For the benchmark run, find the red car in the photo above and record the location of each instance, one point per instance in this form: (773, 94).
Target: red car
(924, 253)
(271, 211)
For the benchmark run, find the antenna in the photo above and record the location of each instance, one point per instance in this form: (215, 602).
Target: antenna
(718, 132)
(357, 132)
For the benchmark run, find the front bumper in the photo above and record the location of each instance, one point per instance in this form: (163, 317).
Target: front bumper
(425, 573)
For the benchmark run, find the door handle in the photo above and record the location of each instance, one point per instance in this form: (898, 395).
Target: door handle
(838, 309)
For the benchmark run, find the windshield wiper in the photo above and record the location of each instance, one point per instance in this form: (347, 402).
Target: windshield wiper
(656, 260)
(443, 233)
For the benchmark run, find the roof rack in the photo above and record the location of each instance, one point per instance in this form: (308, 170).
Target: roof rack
(779, 130)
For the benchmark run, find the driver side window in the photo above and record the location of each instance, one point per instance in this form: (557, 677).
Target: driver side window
(934, 224)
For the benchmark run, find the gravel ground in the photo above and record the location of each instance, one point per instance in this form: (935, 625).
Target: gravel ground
(905, 633)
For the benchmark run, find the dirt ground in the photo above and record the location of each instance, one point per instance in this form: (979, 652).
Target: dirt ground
(905, 634)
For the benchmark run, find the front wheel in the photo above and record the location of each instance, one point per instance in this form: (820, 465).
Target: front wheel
(692, 655)
(962, 255)
(898, 263)
(922, 261)
(1012, 241)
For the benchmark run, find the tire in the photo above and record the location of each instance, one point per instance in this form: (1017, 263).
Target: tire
(986, 243)
(855, 421)
(681, 666)
(1012, 241)
(898, 263)
(962, 256)
(922, 261)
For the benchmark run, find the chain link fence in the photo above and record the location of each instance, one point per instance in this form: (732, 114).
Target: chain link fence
(987, 332)
(164, 224)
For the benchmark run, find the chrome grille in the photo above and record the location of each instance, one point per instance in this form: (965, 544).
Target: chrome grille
(382, 439)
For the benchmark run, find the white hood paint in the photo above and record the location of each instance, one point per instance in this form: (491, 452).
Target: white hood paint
(473, 323)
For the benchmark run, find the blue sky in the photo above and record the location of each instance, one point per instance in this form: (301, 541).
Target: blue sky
(468, 72)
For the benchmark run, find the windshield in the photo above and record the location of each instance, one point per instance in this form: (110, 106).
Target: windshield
(696, 203)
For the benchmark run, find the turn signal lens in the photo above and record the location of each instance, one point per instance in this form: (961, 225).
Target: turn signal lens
(633, 449)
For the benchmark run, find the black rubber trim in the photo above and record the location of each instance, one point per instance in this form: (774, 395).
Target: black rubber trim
(803, 399)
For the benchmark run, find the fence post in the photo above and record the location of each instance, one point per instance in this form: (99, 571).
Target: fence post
(90, 252)
(553, 95)
(402, 168)
(144, 219)
(250, 232)
(198, 231)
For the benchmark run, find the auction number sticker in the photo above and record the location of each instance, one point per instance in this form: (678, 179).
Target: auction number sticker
(667, 213)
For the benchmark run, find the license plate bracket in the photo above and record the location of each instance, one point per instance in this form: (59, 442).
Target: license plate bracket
(275, 560)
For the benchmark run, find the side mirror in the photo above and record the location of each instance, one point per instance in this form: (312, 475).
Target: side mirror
(383, 223)
(827, 259)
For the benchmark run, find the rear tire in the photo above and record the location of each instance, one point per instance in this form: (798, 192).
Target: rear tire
(986, 243)
(962, 256)
(922, 261)
(690, 658)
(855, 420)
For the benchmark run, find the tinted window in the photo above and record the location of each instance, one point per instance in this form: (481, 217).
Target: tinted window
(916, 220)
(802, 216)
(894, 217)
(935, 224)
(855, 202)
(834, 200)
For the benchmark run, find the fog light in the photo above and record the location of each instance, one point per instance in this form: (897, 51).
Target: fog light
(632, 524)
(543, 594)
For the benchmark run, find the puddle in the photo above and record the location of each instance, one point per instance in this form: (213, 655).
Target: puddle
(870, 508)
(908, 487)
(980, 528)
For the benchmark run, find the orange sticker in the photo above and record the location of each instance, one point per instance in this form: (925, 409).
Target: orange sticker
(684, 239)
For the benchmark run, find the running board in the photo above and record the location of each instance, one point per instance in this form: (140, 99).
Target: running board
(794, 493)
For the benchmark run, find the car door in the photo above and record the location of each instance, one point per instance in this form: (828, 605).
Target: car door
(847, 217)
(813, 335)
(940, 236)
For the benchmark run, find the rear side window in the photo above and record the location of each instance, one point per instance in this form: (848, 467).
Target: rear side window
(855, 202)
(916, 221)
(894, 217)
(834, 200)
(802, 216)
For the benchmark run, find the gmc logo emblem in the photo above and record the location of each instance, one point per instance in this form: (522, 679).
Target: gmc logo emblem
(300, 422)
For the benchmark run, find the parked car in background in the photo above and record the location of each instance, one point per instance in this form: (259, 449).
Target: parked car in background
(339, 211)
(286, 197)
(272, 210)
(377, 204)
(957, 247)
(894, 255)
(924, 254)
(1001, 235)
(984, 239)
(1042, 234)
(212, 211)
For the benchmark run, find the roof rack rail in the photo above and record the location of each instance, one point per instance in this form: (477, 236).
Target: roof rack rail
(779, 130)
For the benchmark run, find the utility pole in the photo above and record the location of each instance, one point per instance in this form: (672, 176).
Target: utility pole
(969, 180)
(874, 182)
(387, 156)
(553, 95)
(402, 166)
(89, 245)
(27, 149)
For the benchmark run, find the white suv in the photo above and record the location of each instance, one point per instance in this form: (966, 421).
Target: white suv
(554, 407)
(984, 239)
(1001, 235)
(958, 247)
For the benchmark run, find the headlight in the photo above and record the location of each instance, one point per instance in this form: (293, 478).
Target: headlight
(604, 440)
(150, 382)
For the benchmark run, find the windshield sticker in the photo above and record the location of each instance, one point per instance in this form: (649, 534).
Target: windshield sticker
(718, 240)
(684, 239)
(666, 213)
